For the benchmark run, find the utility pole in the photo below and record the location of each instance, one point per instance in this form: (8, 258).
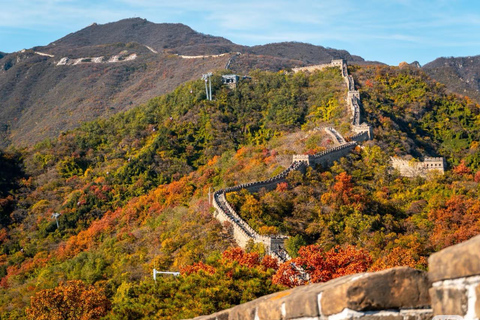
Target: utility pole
(208, 78)
(155, 272)
(56, 215)
(210, 83)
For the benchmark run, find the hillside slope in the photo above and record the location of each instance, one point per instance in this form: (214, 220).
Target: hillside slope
(158, 36)
(460, 74)
(132, 190)
(104, 69)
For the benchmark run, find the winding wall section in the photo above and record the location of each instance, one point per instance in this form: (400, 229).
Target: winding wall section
(242, 232)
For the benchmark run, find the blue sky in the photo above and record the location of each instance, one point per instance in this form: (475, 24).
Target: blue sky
(390, 31)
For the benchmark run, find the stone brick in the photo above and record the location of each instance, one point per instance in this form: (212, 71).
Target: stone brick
(303, 301)
(244, 311)
(221, 315)
(458, 261)
(382, 317)
(448, 301)
(396, 288)
(425, 314)
(477, 303)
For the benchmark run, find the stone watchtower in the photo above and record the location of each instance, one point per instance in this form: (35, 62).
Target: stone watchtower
(230, 80)
(434, 164)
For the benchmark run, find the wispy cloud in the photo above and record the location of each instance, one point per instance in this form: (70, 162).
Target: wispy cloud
(369, 27)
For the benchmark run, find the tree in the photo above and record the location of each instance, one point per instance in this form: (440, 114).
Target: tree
(70, 300)
(322, 266)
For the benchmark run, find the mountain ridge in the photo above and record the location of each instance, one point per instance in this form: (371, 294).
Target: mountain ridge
(103, 69)
(459, 74)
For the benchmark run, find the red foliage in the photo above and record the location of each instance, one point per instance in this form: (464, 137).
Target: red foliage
(322, 266)
(458, 220)
(196, 267)
(268, 262)
(462, 169)
(250, 260)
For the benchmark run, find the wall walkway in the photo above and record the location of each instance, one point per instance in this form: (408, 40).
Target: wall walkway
(242, 232)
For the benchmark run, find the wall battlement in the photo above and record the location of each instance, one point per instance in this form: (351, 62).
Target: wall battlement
(412, 168)
(451, 288)
(242, 232)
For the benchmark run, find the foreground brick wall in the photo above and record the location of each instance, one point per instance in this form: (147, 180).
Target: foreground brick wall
(455, 276)
(451, 287)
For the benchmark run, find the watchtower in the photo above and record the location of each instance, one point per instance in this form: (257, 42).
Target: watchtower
(230, 80)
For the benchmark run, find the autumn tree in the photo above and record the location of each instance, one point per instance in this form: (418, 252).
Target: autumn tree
(316, 265)
(70, 300)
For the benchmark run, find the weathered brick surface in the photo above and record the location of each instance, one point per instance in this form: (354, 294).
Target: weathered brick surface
(477, 304)
(449, 301)
(394, 288)
(458, 261)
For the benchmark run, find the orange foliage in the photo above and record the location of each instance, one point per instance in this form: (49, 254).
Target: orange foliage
(398, 257)
(342, 192)
(462, 169)
(477, 177)
(458, 220)
(196, 267)
(237, 254)
(71, 300)
(282, 186)
(268, 230)
(322, 266)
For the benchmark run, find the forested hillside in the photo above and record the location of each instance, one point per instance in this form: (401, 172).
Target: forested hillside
(104, 69)
(132, 190)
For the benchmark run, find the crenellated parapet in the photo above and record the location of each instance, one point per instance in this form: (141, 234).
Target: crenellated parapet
(450, 290)
(336, 136)
(333, 64)
(413, 168)
(242, 232)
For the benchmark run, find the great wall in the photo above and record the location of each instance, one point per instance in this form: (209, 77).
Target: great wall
(411, 168)
(450, 290)
(274, 245)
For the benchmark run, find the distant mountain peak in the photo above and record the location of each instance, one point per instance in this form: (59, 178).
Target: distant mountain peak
(156, 35)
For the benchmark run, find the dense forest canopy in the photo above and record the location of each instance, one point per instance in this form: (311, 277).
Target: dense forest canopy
(132, 193)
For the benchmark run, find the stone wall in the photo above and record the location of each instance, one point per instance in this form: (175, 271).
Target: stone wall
(450, 288)
(336, 136)
(242, 232)
(411, 168)
(455, 276)
(394, 294)
(360, 137)
(326, 158)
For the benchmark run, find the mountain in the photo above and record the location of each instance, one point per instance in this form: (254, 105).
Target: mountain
(460, 74)
(104, 69)
(132, 192)
(307, 53)
(178, 37)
